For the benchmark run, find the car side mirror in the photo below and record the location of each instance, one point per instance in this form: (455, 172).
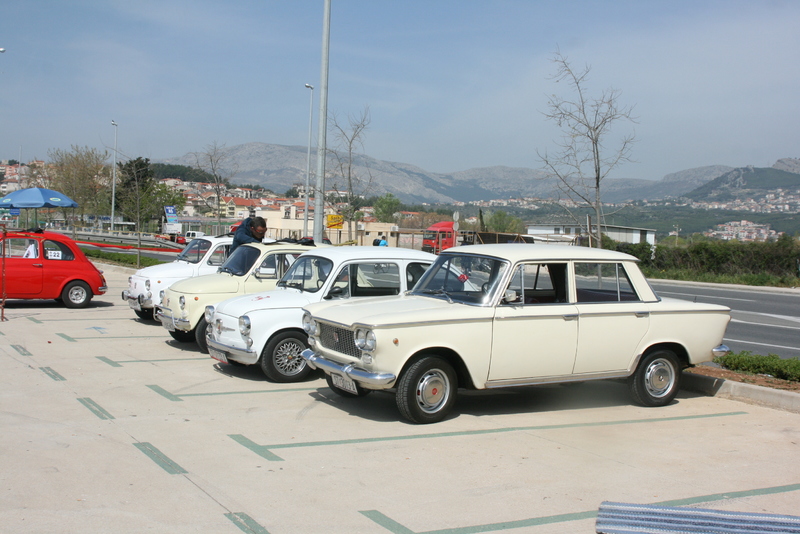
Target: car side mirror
(334, 292)
(510, 296)
(265, 272)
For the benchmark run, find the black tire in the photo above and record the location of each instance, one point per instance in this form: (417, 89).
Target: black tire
(76, 294)
(200, 335)
(427, 390)
(346, 394)
(281, 361)
(145, 315)
(657, 379)
(183, 337)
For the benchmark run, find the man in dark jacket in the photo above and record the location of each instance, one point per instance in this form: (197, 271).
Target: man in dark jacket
(251, 230)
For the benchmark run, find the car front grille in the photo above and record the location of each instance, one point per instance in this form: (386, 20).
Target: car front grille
(338, 340)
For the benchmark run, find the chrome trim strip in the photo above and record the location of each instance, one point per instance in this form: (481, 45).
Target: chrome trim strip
(228, 349)
(495, 384)
(362, 376)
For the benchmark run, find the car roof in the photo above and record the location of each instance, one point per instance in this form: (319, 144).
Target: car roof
(340, 254)
(526, 251)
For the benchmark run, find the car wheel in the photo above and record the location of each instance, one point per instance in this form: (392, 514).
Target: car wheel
(76, 295)
(183, 337)
(342, 393)
(200, 335)
(427, 390)
(281, 361)
(657, 379)
(145, 315)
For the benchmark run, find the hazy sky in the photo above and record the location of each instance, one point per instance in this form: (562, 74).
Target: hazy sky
(450, 84)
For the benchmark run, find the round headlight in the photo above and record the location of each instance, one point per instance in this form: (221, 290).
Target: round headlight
(182, 301)
(364, 339)
(209, 314)
(147, 284)
(161, 295)
(309, 326)
(244, 325)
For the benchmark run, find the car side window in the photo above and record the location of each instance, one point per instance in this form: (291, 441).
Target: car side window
(276, 265)
(376, 279)
(414, 272)
(603, 282)
(539, 283)
(21, 248)
(54, 250)
(219, 255)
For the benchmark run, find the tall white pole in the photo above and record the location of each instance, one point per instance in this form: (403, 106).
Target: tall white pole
(114, 176)
(319, 198)
(306, 208)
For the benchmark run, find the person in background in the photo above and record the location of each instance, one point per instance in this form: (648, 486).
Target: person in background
(251, 230)
(383, 242)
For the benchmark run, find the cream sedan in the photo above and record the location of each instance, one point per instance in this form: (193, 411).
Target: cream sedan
(494, 316)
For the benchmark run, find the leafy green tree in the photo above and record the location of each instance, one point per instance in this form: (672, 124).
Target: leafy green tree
(82, 174)
(501, 221)
(292, 193)
(386, 207)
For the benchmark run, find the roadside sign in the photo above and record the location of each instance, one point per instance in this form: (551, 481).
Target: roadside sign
(335, 222)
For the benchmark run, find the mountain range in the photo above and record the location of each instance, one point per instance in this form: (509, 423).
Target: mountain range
(280, 167)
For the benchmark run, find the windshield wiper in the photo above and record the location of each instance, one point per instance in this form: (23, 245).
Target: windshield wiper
(437, 292)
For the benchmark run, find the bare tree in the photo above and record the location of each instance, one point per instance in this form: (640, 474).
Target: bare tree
(82, 175)
(349, 142)
(584, 159)
(214, 161)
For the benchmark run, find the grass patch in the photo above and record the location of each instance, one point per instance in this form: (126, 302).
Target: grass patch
(772, 365)
(117, 258)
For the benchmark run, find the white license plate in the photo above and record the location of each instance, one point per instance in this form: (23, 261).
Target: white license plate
(344, 382)
(217, 355)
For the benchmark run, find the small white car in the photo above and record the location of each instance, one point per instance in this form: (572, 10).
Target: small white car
(494, 316)
(251, 268)
(201, 256)
(266, 328)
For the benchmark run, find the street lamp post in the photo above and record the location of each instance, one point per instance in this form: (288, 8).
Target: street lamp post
(308, 161)
(114, 176)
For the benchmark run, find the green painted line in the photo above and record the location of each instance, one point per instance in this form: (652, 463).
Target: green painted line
(164, 393)
(396, 528)
(95, 408)
(246, 523)
(255, 448)
(35, 320)
(65, 336)
(119, 363)
(22, 350)
(52, 374)
(158, 457)
(178, 397)
(260, 450)
(108, 361)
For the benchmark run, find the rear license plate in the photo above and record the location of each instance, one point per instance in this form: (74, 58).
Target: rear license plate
(217, 355)
(344, 382)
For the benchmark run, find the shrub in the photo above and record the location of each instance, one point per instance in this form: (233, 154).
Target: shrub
(773, 365)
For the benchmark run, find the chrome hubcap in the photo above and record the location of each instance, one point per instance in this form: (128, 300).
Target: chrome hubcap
(77, 294)
(433, 390)
(287, 358)
(659, 378)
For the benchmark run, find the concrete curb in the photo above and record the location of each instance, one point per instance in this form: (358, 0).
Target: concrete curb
(728, 389)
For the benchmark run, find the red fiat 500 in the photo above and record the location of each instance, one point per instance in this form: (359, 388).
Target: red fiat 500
(48, 265)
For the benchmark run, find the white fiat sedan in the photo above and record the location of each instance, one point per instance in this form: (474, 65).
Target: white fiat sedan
(201, 256)
(493, 316)
(266, 328)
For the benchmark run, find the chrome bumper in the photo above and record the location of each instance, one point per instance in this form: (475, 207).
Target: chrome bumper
(361, 376)
(169, 322)
(246, 356)
(720, 350)
(137, 303)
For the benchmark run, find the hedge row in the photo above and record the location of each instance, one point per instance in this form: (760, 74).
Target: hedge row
(786, 369)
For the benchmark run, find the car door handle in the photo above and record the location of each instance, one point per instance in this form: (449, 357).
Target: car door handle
(37, 264)
(642, 314)
(570, 316)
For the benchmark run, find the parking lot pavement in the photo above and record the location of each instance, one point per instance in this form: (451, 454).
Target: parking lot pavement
(108, 425)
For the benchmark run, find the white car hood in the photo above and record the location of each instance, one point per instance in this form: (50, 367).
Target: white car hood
(176, 269)
(275, 299)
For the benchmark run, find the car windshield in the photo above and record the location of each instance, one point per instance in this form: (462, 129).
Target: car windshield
(240, 261)
(308, 273)
(195, 251)
(465, 278)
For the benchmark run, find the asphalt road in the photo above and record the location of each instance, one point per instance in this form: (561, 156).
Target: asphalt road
(763, 320)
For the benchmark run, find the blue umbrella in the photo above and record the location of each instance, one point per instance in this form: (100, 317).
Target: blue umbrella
(37, 197)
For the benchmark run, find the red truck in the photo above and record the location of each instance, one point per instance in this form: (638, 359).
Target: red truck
(439, 237)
